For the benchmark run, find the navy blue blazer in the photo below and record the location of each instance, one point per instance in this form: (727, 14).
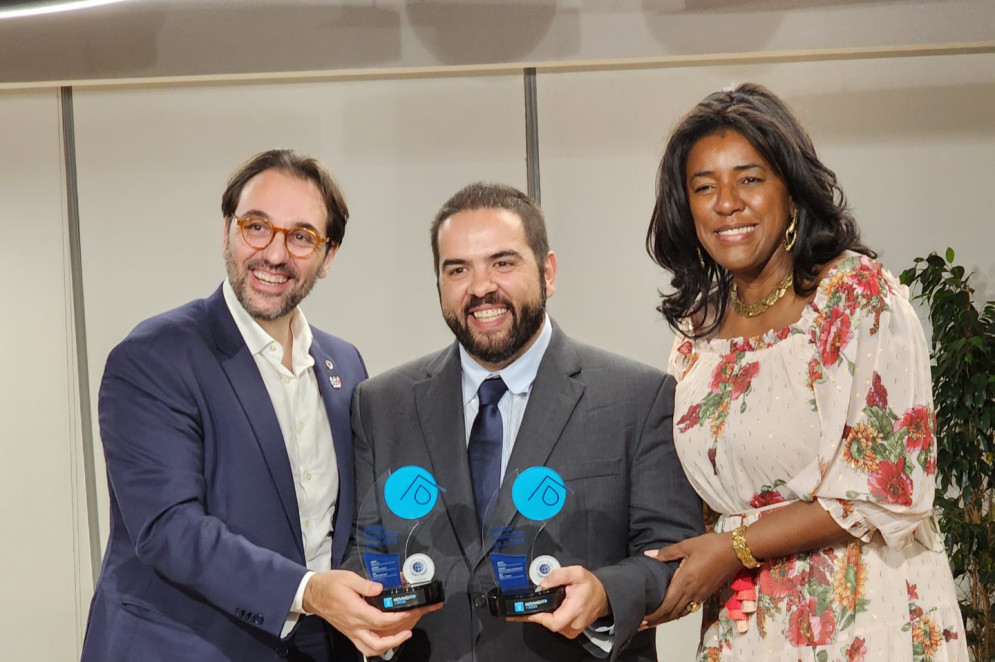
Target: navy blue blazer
(205, 551)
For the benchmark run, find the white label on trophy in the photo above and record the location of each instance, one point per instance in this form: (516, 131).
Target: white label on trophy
(418, 569)
(540, 568)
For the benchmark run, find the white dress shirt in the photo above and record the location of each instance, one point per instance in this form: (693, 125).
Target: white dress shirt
(307, 433)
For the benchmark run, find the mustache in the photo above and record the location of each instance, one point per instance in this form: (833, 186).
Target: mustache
(491, 299)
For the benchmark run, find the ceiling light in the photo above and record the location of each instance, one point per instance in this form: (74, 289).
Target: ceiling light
(19, 9)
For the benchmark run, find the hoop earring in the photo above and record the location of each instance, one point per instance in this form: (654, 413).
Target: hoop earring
(701, 258)
(791, 234)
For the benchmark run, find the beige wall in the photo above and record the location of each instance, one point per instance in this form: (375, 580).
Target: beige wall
(44, 557)
(912, 140)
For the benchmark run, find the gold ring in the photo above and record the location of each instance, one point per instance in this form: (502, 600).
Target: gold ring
(692, 607)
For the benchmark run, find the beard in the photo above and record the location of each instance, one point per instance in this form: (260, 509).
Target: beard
(239, 274)
(527, 320)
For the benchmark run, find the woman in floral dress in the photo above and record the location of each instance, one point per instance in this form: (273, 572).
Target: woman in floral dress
(803, 413)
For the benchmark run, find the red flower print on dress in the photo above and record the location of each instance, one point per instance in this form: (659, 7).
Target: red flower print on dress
(777, 578)
(686, 349)
(815, 374)
(822, 567)
(741, 380)
(689, 419)
(834, 336)
(807, 627)
(918, 423)
(723, 373)
(740, 345)
(877, 395)
(891, 484)
(857, 650)
(731, 380)
(867, 280)
(768, 495)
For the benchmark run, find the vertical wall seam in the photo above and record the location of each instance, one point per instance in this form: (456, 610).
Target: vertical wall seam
(532, 136)
(79, 324)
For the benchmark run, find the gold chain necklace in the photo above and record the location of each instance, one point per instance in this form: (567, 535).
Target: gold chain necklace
(762, 306)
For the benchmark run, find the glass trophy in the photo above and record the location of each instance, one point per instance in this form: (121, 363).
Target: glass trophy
(518, 563)
(394, 529)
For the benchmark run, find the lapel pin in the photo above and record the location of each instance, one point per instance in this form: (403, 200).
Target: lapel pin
(328, 364)
(336, 382)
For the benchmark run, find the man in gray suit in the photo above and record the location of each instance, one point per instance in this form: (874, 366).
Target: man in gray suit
(602, 422)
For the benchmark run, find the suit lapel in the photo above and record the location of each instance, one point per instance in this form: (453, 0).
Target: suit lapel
(554, 396)
(248, 387)
(337, 396)
(439, 403)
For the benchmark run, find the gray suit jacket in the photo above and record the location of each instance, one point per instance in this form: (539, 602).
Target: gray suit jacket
(604, 423)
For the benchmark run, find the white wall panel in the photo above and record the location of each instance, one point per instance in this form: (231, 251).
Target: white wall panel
(912, 141)
(154, 162)
(42, 565)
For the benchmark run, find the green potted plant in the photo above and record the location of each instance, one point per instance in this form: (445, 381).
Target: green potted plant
(963, 364)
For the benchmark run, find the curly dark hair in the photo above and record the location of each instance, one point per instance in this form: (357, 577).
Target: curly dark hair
(825, 226)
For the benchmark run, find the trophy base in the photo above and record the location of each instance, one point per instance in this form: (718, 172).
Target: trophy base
(403, 598)
(525, 603)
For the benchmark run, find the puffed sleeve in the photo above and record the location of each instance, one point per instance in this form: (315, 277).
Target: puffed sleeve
(869, 373)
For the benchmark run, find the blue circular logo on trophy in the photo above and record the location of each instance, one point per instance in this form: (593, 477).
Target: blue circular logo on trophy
(410, 492)
(394, 533)
(538, 494)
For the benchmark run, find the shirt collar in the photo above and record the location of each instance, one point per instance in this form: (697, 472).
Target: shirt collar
(518, 376)
(256, 338)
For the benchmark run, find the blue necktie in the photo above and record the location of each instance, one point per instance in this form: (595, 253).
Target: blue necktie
(484, 449)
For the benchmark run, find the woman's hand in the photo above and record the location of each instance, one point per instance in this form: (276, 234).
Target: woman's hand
(708, 562)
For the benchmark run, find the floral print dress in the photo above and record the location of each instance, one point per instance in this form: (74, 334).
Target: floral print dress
(837, 408)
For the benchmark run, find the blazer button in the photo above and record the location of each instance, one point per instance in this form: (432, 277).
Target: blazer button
(257, 619)
(479, 600)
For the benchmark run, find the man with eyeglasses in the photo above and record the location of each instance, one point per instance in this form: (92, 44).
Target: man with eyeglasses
(226, 431)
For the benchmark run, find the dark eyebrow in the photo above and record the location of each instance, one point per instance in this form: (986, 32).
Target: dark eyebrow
(452, 262)
(749, 166)
(254, 213)
(739, 168)
(458, 262)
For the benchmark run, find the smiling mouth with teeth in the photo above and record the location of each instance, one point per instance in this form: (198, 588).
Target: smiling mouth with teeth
(490, 314)
(735, 231)
(273, 279)
(742, 230)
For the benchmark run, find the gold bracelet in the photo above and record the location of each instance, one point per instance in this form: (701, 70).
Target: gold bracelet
(742, 550)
